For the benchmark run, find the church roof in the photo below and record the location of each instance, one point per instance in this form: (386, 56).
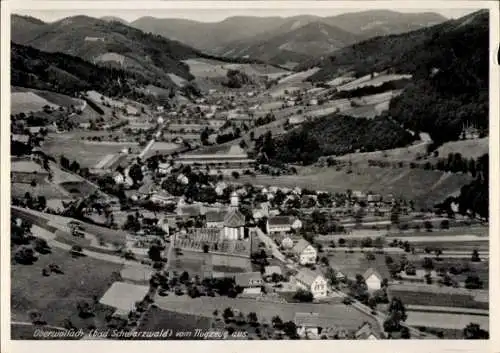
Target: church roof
(234, 219)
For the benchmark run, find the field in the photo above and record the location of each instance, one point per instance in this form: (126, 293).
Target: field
(198, 263)
(467, 148)
(164, 147)
(25, 102)
(446, 321)
(179, 81)
(56, 296)
(298, 77)
(79, 188)
(436, 298)
(157, 319)
(53, 97)
(87, 155)
(367, 81)
(340, 314)
(50, 191)
(425, 187)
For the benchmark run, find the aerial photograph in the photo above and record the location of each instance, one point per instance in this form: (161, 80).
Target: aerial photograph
(294, 175)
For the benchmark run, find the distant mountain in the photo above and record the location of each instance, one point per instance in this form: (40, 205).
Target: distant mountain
(450, 67)
(373, 23)
(114, 19)
(311, 40)
(22, 26)
(207, 36)
(216, 37)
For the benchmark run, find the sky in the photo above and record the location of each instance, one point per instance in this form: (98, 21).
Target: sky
(215, 15)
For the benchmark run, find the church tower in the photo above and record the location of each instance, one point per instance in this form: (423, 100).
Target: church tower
(234, 221)
(235, 200)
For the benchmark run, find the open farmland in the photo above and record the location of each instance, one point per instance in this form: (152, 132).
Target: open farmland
(368, 81)
(87, 155)
(49, 190)
(340, 314)
(57, 295)
(467, 148)
(156, 319)
(446, 321)
(25, 102)
(425, 187)
(53, 97)
(298, 77)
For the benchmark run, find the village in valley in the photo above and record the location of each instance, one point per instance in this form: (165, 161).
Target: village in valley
(222, 205)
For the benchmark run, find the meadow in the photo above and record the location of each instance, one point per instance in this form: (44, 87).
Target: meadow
(57, 295)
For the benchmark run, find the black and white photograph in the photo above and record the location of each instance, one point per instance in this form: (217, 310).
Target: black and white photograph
(244, 174)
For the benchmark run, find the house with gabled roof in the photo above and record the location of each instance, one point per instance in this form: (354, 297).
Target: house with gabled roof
(366, 332)
(373, 279)
(305, 252)
(279, 224)
(313, 282)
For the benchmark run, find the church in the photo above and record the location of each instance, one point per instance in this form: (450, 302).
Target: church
(230, 223)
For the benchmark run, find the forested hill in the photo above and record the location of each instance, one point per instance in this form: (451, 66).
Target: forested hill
(333, 135)
(67, 74)
(450, 67)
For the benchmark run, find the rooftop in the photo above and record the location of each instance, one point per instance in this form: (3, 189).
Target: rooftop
(306, 276)
(280, 221)
(300, 246)
(243, 279)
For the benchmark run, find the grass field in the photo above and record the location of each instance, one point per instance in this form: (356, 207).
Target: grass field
(376, 81)
(70, 145)
(25, 102)
(79, 188)
(157, 319)
(56, 296)
(467, 148)
(340, 314)
(196, 263)
(425, 187)
(446, 321)
(50, 191)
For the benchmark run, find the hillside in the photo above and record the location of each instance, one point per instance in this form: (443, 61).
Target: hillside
(111, 44)
(449, 63)
(207, 36)
(333, 135)
(374, 23)
(215, 37)
(311, 40)
(67, 74)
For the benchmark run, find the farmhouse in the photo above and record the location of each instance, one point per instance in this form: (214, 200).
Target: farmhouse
(313, 282)
(279, 224)
(311, 325)
(26, 171)
(234, 157)
(306, 253)
(373, 279)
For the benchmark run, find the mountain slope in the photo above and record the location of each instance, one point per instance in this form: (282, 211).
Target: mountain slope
(112, 44)
(114, 19)
(67, 74)
(311, 40)
(207, 36)
(23, 26)
(450, 67)
(373, 23)
(215, 37)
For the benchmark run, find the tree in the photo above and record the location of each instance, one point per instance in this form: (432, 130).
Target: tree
(154, 253)
(475, 256)
(25, 255)
(395, 211)
(227, 314)
(303, 295)
(428, 226)
(85, 309)
(428, 264)
(252, 318)
(277, 322)
(396, 315)
(369, 256)
(290, 329)
(410, 270)
(445, 224)
(331, 276)
(135, 173)
(474, 332)
(41, 246)
(473, 282)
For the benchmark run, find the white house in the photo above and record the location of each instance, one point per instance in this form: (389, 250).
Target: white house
(297, 224)
(164, 168)
(313, 282)
(287, 243)
(183, 179)
(305, 252)
(373, 279)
